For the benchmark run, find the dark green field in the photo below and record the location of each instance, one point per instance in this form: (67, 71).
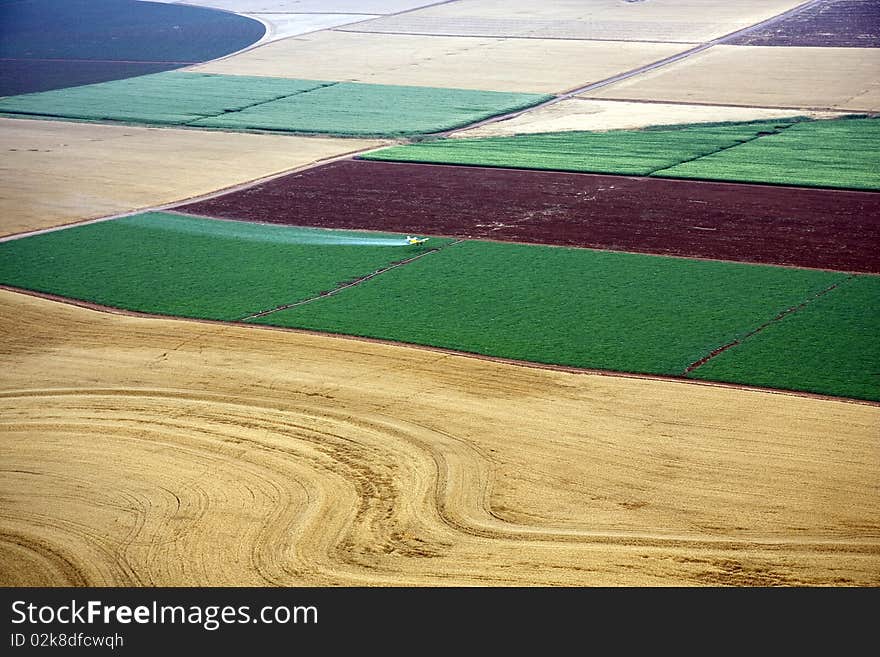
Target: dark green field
(173, 265)
(829, 346)
(844, 153)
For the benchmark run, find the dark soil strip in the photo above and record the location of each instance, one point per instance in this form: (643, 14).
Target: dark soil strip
(23, 76)
(450, 352)
(788, 311)
(829, 23)
(788, 226)
(345, 286)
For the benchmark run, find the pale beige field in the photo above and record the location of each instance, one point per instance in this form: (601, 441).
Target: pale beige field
(457, 62)
(659, 20)
(55, 172)
(161, 452)
(762, 76)
(583, 114)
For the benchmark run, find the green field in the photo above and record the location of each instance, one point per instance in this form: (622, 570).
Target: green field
(844, 153)
(349, 108)
(265, 103)
(627, 152)
(589, 309)
(840, 153)
(171, 98)
(830, 346)
(577, 307)
(174, 265)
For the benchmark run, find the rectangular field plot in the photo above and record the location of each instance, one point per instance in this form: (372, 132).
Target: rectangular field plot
(839, 153)
(627, 152)
(174, 265)
(842, 79)
(349, 108)
(842, 153)
(493, 64)
(266, 103)
(820, 228)
(59, 172)
(839, 23)
(829, 346)
(575, 307)
(670, 20)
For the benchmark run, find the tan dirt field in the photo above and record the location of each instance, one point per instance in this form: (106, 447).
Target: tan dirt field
(583, 114)
(55, 172)
(454, 62)
(762, 76)
(143, 451)
(309, 6)
(666, 20)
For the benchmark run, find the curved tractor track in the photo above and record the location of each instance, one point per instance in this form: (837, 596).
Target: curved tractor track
(195, 454)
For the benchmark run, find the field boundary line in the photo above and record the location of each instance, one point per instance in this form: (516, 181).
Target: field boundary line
(345, 286)
(778, 318)
(343, 28)
(258, 103)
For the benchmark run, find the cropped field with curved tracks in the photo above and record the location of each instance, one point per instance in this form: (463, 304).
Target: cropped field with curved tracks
(187, 453)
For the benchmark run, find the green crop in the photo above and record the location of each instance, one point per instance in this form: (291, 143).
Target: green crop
(828, 346)
(176, 265)
(627, 152)
(265, 103)
(841, 153)
(576, 307)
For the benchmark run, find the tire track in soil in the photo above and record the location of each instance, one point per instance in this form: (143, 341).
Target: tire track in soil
(778, 318)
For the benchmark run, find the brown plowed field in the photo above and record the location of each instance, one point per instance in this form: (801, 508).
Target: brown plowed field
(184, 453)
(834, 23)
(753, 223)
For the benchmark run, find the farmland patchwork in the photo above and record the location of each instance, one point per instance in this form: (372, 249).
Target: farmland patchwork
(828, 229)
(842, 153)
(272, 104)
(576, 307)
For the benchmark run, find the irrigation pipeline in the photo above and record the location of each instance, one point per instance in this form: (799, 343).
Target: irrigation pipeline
(637, 71)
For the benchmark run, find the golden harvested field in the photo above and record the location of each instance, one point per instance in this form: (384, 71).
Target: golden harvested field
(56, 172)
(670, 20)
(762, 76)
(160, 452)
(597, 115)
(490, 64)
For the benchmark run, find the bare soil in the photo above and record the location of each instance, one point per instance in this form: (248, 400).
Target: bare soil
(833, 23)
(825, 229)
